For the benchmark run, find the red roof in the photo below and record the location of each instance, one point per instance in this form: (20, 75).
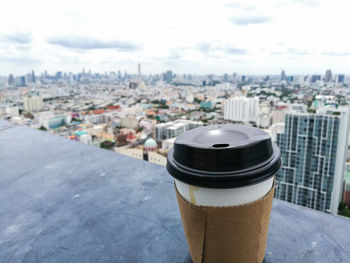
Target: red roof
(130, 136)
(114, 107)
(282, 107)
(100, 111)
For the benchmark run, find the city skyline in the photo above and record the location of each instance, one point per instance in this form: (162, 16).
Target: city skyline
(326, 75)
(33, 78)
(252, 38)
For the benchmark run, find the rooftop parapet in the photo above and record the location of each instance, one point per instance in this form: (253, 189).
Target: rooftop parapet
(62, 201)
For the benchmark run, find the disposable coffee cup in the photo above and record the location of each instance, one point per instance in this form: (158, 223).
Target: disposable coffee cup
(224, 181)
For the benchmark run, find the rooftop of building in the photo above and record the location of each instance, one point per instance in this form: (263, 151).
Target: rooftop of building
(62, 201)
(327, 112)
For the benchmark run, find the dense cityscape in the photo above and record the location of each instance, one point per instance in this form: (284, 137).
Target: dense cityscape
(141, 116)
(188, 131)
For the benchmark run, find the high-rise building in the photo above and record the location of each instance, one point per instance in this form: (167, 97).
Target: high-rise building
(139, 69)
(31, 77)
(11, 80)
(328, 76)
(59, 75)
(315, 78)
(168, 77)
(241, 109)
(283, 75)
(34, 103)
(290, 78)
(314, 148)
(225, 77)
(340, 78)
(21, 81)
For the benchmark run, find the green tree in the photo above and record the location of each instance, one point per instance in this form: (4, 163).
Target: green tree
(196, 100)
(108, 145)
(28, 115)
(341, 206)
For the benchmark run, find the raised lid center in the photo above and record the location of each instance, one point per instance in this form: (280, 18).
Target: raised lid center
(221, 137)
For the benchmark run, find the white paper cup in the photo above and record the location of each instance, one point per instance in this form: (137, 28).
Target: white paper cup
(226, 225)
(227, 173)
(202, 196)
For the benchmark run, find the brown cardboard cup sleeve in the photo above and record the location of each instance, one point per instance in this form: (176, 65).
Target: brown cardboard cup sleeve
(227, 234)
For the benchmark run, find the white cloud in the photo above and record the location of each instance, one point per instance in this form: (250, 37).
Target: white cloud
(81, 42)
(186, 36)
(16, 37)
(248, 19)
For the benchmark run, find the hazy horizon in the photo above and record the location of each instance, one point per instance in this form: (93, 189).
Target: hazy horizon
(274, 75)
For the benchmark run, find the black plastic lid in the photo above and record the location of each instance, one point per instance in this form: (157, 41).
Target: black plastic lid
(223, 156)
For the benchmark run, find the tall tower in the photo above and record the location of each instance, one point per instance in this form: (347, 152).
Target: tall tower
(314, 149)
(139, 69)
(168, 76)
(340, 78)
(283, 75)
(33, 76)
(11, 80)
(328, 76)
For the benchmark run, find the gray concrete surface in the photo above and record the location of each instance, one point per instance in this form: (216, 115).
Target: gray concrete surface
(62, 201)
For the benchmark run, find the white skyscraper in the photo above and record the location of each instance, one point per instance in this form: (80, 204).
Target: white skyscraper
(241, 109)
(34, 103)
(139, 69)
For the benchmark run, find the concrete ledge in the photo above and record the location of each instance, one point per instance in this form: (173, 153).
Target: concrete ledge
(62, 201)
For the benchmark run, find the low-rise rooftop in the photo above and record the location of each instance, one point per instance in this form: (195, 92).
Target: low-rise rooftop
(62, 201)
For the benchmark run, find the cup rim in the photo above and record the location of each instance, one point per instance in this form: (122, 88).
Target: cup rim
(224, 180)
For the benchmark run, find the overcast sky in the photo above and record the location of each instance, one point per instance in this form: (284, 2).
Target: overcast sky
(186, 36)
